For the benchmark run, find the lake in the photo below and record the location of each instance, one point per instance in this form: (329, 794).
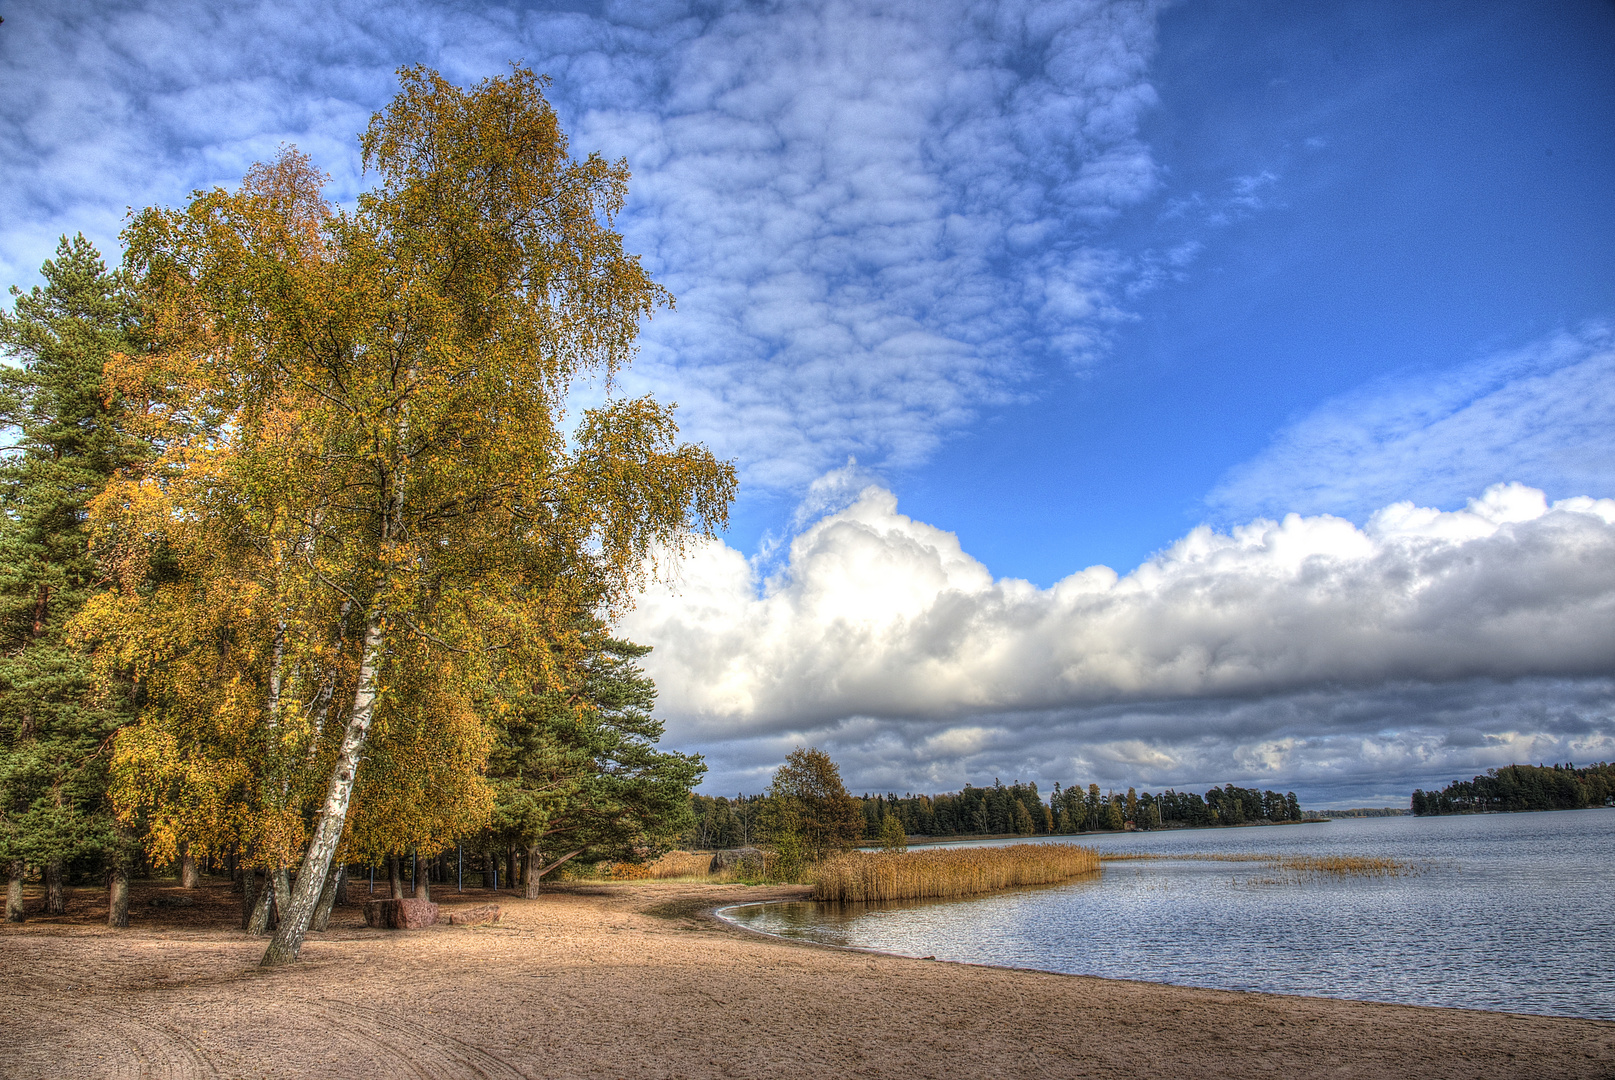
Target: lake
(1511, 912)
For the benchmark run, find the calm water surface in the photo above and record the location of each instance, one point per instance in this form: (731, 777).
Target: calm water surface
(1511, 912)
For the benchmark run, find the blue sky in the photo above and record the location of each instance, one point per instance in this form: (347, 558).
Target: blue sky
(1434, 193)
(1075, 285)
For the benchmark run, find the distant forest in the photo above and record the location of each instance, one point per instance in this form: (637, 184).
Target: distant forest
(1013, 810)
(1522, 787)
(1361, 811)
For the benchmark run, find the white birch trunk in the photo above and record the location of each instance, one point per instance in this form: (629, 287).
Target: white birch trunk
(333, 815)
(294, 921)
(258, 922)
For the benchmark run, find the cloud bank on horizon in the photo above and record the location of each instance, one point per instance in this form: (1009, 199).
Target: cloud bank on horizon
(1304, 648)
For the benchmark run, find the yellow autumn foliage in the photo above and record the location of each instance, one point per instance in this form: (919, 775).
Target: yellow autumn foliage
(366, 504)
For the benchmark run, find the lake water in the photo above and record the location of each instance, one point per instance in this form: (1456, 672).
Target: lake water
(1512, 912)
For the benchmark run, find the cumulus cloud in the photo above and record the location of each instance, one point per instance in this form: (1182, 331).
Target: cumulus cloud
(1540, 414)
(876, 216)
(1302, 648)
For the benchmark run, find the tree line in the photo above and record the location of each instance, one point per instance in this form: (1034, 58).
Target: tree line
(1522, 787)
(1362, 812)
(1003, 810)
(302, 561)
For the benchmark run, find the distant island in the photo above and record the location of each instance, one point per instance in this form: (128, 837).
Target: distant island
(1361, 811)
(1516, 788)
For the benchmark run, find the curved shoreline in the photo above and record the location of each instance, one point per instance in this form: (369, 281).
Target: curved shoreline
(632, 981)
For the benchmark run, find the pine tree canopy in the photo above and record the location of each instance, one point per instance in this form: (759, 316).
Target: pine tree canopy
(65, 446)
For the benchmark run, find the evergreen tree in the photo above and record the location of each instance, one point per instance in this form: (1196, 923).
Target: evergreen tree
(1075, 817)
(53, 726)
(578, 772)
(1113, 812)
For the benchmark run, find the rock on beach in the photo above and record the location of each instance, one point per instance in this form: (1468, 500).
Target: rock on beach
(406, 914)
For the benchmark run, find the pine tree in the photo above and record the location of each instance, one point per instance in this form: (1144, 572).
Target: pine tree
(1113, 812)
(577, 771)
(53, 726)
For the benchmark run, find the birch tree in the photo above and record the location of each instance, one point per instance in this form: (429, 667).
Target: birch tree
(365, 434)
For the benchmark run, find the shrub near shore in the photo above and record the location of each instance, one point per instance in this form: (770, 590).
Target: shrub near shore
(940, 875)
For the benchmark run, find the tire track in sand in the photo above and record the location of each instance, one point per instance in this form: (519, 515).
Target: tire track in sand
(427, 1054)
(75, 1040)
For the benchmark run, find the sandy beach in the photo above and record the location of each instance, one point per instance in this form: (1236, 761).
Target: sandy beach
(638, 980)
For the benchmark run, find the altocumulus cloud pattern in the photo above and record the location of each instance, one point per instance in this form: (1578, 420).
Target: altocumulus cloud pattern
(875, 217)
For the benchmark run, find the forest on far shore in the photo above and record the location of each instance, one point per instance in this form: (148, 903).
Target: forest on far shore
(1522, 787)
(1014, 809)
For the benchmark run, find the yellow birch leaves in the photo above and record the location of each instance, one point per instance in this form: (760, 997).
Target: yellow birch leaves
(361, 438)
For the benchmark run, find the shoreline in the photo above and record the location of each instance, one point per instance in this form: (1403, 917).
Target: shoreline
(644, 979)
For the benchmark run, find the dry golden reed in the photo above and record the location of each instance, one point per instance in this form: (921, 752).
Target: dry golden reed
(1346, 865)
(1343, 865)
(944, 874)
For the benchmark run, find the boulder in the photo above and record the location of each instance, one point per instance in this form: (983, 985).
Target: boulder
(406, 914)
(474, 916)
(742, 858)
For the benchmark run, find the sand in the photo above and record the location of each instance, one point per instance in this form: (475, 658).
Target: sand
(637, 980)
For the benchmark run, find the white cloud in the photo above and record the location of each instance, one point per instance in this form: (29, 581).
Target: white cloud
(1287, 649)
(1540, 414)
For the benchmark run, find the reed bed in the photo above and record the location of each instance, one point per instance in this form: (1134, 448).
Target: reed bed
(1347, 865)
(1342, 865)
(864, 876)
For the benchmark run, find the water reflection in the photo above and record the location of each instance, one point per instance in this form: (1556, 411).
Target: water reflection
(1509, 912)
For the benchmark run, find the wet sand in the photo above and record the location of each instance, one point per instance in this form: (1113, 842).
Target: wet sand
(639, 980)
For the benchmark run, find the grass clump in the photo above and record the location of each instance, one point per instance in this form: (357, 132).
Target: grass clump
(941, 875)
